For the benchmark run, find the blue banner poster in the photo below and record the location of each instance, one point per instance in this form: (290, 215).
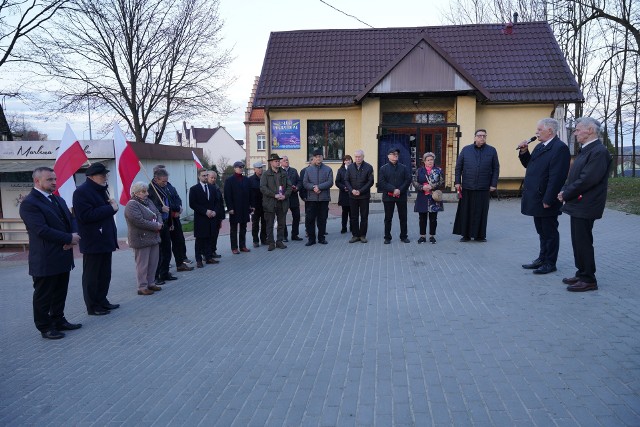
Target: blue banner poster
(285, 134)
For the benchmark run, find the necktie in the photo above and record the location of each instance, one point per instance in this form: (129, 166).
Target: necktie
(61, 213)
(206, 190)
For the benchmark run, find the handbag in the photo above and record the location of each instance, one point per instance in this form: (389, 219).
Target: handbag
(436, 195)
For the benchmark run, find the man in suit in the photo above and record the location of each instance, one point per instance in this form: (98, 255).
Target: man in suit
(202, 199)
(212, 180)
(94, 210)
(547, 168)
(584, 197)
(294, 201)
(52, 235)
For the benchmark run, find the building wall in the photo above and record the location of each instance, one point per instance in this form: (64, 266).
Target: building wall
(223, 145)
(253, 154)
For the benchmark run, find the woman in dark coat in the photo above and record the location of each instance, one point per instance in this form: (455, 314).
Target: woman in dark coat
(428, 178)
(343, 195)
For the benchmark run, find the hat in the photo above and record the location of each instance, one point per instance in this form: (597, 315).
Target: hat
(258, 164)
(96, 168)
(394, 150)
(318, 152)
(274, 156)
(238, 165)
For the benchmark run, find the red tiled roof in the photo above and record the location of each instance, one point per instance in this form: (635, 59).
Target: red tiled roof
(338, 67)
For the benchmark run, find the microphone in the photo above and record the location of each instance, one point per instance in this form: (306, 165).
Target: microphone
(533, 138)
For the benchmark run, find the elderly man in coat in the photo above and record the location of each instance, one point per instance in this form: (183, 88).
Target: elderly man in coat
(318, 179)
(547, 168)
(237, 196)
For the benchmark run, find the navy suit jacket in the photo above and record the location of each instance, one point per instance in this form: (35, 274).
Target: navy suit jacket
(48, 233)
(547, 168)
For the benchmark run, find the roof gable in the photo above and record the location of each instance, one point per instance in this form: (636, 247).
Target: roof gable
(334, 67)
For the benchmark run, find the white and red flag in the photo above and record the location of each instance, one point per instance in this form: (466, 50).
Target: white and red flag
(127, 164)
(197, 161)
(69, 159)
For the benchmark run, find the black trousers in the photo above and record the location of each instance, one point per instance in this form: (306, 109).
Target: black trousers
(295, 222)
(547, 229)
(165, 252)
(389, 207)
(259, 227)
(203, 246)
(178, 245)
(96, 277)
(346, 213)
(583, 253)
(281, 216)
(433, 222)
(214, 236)
(49, 297)
(317, 216)
(238, 234)
(359, 210)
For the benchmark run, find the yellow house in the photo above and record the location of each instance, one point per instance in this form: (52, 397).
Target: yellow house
(419, 89)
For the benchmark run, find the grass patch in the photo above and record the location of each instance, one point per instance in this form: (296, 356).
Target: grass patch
(187, 226)
(624, 195)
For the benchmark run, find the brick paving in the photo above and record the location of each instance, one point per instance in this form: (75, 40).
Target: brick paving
(344, 335)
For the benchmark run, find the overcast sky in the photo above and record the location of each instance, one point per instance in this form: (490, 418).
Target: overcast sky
(247, 27)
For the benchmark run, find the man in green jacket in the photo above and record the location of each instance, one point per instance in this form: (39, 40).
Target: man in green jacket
(276, 189)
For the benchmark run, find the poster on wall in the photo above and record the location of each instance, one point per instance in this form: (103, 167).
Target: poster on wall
(285, 134)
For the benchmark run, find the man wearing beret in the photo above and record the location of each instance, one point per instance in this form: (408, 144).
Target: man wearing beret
(94, 210)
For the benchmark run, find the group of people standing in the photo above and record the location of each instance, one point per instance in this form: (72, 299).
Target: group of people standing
(551, 186)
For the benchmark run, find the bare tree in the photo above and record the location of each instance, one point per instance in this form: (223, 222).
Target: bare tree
(145, 61)
(23, 130)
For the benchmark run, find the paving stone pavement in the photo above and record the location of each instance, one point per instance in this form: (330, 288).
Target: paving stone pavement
(344, 335)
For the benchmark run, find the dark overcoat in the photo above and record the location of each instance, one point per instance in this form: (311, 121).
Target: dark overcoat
(237, 196)
(49, 230)
(294, 179)
(96, 223)
(477, 168)
(547, 168)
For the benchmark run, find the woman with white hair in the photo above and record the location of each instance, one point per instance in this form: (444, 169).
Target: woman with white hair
(144, 222)
(428, 179)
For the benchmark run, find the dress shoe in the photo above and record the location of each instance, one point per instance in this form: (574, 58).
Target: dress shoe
(98, 312)
(109, 306)
(145, 292)
(534, 264)
(545, 269)
(285, 240)
(272, 246)
(199, 264)
(184, 267)
(281, 245)
(422, 239)
(256, 244)
(215, 255)
(169, 277)
(464, 239)
(212, 261)
(310, 243)
(235, 251)
(66, 326)
(187, 261)
(52, 334)
(432, 239)
(570, 280)
(363, 239)
(387, 241)
(154, 288)
(322, 242)
(245, 250)
(160, 282)
(582, 287)
(296, 239)
(405, 240)
(343, 231)
(354, 239)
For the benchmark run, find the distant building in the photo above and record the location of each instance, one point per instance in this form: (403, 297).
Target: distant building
(256, 135)
(218, 146)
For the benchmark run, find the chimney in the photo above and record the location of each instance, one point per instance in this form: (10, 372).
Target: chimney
(515, 17)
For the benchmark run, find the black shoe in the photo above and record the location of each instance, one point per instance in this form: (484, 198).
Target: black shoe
(545, 269)
(310, 243)
(323, 242)
(387, 241)
(160, 282)
(66, 326)
(405, 240)
(432, 239)
(285, 240)
(52, 334)
(296, 239)
(98, 312)
(215, 255)
(109, 306)
(536, 263)
(464, 239)
(169, 277)
(422, 240)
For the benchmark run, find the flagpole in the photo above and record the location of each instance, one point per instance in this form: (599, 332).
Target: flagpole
(151, 181)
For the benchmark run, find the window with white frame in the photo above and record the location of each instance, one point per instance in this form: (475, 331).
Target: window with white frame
(261, 141)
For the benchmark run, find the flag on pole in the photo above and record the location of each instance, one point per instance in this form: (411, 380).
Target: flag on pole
(69, 159)
(127, 164)
(197, 161)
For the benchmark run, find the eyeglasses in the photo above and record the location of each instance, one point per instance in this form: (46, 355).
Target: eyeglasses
(482, 135)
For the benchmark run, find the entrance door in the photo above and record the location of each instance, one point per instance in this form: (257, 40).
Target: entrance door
(433, 140)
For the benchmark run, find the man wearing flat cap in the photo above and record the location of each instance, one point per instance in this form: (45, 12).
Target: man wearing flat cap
(258, 221)
(237, 197)
(318, 179)
(276, 190)
(394, 180)
(94, 210)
